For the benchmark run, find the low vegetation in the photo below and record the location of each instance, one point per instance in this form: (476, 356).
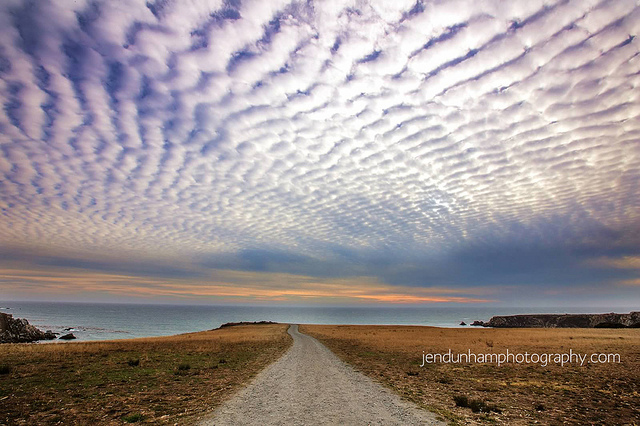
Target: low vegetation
(510, 394)
(476, 405)
(165, 380)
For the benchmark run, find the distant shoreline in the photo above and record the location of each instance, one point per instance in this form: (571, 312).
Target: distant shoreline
(109, 321)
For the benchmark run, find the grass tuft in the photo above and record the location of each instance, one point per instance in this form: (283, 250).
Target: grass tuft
(133, 362)
(5, 369)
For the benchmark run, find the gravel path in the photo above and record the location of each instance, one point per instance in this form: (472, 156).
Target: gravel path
(309, 385)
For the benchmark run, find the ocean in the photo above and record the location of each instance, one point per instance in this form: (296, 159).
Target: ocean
(98, 321)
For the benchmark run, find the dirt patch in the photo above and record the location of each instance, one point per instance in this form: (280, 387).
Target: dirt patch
(164, 380)
(510, 394)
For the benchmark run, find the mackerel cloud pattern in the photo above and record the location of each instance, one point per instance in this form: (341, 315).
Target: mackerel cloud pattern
(326, 129)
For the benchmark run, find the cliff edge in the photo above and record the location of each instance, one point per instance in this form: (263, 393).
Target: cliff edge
(612, 320)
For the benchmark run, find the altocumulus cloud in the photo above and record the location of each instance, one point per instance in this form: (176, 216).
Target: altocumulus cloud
(481, 145)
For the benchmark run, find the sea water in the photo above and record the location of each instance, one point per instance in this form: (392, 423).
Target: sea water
(99, 321)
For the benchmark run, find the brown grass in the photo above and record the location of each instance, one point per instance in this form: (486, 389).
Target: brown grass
(163, 380)
(523, 394)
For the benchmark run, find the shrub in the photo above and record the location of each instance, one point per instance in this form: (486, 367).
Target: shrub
(461, 401)
(476, 405)
(184, 367)
(133, 362)
(133, 418)
(5, 369)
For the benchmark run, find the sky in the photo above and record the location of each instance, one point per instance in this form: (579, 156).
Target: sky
(321, 152)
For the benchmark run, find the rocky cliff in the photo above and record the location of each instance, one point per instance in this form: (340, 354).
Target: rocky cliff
(17, 330)
(611, 320)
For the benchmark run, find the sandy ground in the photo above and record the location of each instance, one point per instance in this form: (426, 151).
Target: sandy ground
(309, 385)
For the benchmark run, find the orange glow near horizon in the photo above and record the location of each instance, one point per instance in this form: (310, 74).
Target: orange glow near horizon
(229, 285)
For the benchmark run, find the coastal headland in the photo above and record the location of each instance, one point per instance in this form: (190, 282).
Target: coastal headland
(546, 375)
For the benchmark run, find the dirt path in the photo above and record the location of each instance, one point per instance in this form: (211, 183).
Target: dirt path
(309, 385)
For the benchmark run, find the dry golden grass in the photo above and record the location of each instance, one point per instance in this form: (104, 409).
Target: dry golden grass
(525, 394)
(162, 380)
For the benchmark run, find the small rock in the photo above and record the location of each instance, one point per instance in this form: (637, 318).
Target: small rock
(49, 335)
(463, 323)
(478, 323)
(69, 336)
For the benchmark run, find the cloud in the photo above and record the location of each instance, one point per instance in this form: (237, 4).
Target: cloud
(319, 138)
(624, 262)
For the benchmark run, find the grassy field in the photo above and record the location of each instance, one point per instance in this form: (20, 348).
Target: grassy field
(511, 394)
(164, 380)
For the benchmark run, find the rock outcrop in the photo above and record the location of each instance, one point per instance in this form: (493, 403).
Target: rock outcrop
(612, 320)
(18, 330)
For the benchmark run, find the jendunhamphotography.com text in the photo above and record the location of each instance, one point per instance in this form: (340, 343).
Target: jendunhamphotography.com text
(508, 357)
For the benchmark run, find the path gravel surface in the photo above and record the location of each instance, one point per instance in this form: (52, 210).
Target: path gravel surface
(309, 385)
